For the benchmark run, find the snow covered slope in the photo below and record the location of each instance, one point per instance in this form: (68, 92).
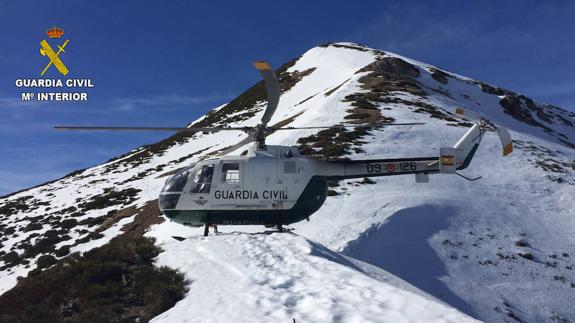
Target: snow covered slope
(498, 249)
(265, 277)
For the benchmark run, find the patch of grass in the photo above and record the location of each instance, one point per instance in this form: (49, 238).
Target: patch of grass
(9, 230)
(70, 209)
(33, 226)
(93, 221)
(114, 283)
(332, 143)
(62, 251)
(14, 206)
(109, 198)
(46, 261)
(88, 237)
(68, 223)
(11, 257)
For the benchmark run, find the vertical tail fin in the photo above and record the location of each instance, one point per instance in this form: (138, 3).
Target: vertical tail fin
(459, 156)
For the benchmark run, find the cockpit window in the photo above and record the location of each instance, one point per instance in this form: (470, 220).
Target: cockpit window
(177, 182)
(203, 179)
(230, 173)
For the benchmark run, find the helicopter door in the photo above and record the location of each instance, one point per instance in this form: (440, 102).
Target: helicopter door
(202, 183)
(229, 185)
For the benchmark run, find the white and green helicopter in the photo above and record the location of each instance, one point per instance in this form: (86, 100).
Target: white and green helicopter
(276, 185)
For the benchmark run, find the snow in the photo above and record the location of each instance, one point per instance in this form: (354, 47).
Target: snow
(263, 277)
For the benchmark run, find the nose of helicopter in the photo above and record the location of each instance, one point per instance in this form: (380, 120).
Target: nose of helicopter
(173, 188)
(168, 201)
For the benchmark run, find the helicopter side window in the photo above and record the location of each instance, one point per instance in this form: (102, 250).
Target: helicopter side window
(203, 180)
(230, 173)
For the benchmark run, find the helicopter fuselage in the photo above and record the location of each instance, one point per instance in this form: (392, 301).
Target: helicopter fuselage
(279, 186)
(271, 187)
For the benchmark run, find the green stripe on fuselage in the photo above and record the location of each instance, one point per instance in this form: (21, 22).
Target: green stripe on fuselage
(309, 202)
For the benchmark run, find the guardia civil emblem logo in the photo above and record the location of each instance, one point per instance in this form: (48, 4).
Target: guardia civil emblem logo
(50, 88)
(54, 57)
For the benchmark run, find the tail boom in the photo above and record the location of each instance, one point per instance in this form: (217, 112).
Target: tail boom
(450, 160)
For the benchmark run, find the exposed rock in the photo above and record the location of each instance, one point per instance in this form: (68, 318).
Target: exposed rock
(524, 109)
(349, 46)
(439, 75)
(492, 89)
(392, 65)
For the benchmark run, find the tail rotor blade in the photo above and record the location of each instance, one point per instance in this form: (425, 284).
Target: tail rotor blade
(504, 136)
(272, 89)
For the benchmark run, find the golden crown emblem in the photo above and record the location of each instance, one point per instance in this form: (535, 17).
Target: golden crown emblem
(55, 32)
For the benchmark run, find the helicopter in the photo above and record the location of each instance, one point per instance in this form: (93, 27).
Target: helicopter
(275, 185)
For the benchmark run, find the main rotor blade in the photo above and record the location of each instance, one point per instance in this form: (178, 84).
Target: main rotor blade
(223, 152)
(243, 142)
(272, 89)
(466, 113)
(173, 129)
(353, 126)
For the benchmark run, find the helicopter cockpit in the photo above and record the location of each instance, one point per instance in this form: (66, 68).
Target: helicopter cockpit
(174, 187)
(197, 179)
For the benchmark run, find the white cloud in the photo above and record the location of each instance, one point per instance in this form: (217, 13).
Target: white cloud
(16, 102)
(166, 100)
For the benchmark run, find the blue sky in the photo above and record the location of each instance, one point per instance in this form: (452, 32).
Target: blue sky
(167, 63)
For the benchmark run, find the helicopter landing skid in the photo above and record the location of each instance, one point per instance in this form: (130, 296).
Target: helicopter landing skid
(207, 229)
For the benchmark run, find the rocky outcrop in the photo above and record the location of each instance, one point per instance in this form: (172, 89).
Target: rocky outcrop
(392, 65)
(527, 111)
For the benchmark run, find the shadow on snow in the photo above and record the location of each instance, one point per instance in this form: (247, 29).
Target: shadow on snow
(400, 246)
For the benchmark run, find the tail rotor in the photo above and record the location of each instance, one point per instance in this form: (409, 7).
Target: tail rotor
(487, 125)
